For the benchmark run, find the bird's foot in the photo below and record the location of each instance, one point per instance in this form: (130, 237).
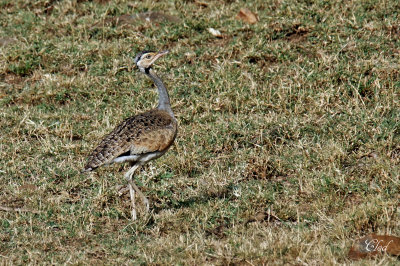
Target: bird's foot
(121, 189)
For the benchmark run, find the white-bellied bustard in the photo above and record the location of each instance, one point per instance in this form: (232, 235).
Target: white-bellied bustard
(139, 138)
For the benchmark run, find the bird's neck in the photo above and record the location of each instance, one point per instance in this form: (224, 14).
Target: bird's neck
(163, 100)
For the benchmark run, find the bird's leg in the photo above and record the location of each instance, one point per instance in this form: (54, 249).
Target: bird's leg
(144, 199)
(128, 177)
(133, 211)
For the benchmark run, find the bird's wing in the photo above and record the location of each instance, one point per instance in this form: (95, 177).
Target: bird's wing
(144, 133)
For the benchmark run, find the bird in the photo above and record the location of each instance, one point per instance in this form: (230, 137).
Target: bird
(139, 138)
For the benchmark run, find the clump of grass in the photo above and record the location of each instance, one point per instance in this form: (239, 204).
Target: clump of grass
(296, 116)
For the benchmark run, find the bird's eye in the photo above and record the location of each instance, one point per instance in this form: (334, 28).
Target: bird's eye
(148, 56)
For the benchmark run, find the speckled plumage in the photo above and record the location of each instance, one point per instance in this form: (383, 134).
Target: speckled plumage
(152, 131)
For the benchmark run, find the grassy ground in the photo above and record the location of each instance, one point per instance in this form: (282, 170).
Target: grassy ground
(289, 131)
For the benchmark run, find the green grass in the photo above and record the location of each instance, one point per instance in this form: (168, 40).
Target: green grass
(297, 115)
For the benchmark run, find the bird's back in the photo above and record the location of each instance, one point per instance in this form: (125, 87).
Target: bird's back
(149, 132)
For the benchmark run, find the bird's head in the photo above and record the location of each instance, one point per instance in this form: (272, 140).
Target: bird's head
(144, 60)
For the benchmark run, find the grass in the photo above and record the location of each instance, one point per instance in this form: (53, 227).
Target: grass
(296, 116)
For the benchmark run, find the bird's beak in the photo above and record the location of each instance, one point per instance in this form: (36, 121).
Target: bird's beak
(163, 52)
(159, 54)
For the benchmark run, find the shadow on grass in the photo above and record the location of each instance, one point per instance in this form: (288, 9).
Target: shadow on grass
(223, 193)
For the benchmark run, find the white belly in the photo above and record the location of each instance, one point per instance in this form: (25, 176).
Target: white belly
(140, 159)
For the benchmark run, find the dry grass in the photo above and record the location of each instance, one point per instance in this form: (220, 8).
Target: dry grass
(295, 118)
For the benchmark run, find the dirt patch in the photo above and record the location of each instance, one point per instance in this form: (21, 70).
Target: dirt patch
(13, 79)
(291, 33)
(264, 217)
(218, 231)
(261, 168)
(297, 34)
(262, 60)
